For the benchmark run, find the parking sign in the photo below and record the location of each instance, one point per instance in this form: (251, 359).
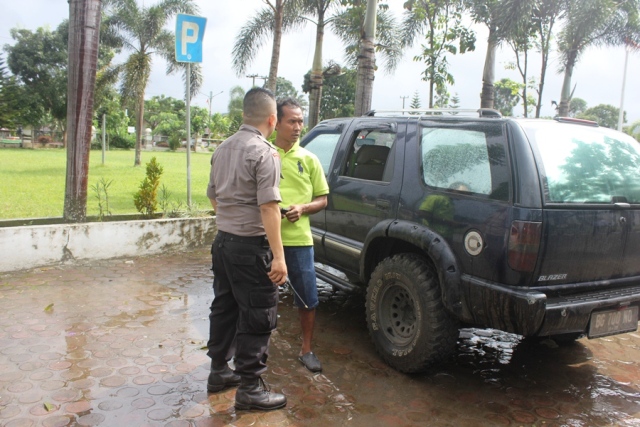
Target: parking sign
(189, 35)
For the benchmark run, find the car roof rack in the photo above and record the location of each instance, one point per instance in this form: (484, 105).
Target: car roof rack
(482, 112)
(584, 122)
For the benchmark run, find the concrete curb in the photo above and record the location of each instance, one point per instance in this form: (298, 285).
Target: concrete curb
(42, 245)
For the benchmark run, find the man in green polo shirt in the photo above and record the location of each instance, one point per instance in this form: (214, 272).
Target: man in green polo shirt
(304, 189)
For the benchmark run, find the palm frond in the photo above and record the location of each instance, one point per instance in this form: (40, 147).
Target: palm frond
(172, 7)
(250, 39)
(135, 76)
(388, 40)
(348, 27)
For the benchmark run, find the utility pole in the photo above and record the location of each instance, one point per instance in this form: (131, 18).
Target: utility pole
(209, 101)
(210, 97)
(254, 77)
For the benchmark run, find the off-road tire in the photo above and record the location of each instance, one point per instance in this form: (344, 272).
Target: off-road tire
(408, 323)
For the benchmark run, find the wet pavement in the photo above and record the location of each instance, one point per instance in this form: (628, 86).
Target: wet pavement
(120, 343)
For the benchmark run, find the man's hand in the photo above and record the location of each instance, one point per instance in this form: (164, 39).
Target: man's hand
(278, 273)
(316, 205)
(295, 212)
(270, 214)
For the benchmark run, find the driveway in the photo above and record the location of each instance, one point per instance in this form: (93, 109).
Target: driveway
(121, 343)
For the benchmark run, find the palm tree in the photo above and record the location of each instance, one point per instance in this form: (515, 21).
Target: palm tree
(503, 18)
(366, 61)
(84, 38)
(366, 29)
(319, 9)
(347, 24)
(594, 23)
(141, 29)
(276, 18)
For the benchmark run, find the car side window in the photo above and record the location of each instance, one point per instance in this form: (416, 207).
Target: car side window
(370, 156)
(323, 145)
(470, 160)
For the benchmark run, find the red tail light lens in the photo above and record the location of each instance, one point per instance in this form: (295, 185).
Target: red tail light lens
(524, 243)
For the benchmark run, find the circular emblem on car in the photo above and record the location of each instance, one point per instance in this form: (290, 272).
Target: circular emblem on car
(473, 243)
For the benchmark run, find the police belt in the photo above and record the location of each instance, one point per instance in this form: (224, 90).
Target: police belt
(247, 240)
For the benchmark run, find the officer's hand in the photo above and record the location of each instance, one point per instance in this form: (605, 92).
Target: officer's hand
(278, 273)
(295, 212)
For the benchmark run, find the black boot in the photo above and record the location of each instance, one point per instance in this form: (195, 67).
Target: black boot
(253, 393)
(221, 378)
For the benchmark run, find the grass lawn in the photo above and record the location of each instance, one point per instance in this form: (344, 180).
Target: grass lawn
(32, 182)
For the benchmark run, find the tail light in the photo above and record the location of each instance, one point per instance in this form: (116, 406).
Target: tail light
(524, 243)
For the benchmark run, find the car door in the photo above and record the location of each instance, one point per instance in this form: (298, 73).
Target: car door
(365, 186)
(457, 184)
(323, 141)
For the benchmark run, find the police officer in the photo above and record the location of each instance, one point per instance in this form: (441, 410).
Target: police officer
(247, 254)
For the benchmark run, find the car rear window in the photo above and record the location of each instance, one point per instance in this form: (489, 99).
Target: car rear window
(466, 157)
(587, 165)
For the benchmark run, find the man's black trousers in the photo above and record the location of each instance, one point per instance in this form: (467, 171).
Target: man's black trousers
(245, 304)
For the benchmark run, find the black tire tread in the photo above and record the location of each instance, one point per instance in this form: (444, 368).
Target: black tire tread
(441, 329)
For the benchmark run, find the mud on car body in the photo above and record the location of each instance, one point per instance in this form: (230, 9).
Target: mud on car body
(525, 225)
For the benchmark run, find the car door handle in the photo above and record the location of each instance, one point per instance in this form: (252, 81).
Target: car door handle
(383, 204)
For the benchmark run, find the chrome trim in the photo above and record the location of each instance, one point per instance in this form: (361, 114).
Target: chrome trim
(342, 248)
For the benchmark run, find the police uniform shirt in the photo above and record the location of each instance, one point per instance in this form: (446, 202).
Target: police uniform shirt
(245, 173)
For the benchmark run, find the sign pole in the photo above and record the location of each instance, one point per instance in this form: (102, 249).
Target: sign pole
(189, 35)
(188, 79)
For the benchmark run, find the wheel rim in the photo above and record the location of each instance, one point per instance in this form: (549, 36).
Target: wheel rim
(398, 314)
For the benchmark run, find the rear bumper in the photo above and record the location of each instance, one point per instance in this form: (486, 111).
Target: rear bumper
(530, 312)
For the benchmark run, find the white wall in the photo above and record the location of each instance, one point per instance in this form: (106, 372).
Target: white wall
(42, 245)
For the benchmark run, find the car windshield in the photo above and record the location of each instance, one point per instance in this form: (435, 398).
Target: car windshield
(583, 164)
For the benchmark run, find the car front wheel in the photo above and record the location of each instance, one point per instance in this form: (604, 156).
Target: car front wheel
(408, 323)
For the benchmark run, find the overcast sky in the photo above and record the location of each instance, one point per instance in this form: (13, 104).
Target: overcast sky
(598, 75)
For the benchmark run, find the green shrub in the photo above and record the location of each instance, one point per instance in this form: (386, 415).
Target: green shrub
(122, 141)
(174, 142)
(146, 199)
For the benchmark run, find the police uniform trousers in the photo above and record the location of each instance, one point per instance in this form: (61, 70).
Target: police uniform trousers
(245, 303)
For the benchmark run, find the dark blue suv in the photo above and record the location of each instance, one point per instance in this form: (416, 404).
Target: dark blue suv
(458, 217)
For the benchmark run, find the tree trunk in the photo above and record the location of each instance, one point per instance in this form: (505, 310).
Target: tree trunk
(488, 74)
(544, 43)
(139, 128)
(317, 78)
(524, 73)
(275, 51)
(84, 39)
(366, 61)
(565, 96)
(432, 35)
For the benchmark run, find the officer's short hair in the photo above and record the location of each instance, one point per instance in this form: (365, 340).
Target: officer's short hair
(258, 105)
(289, 102)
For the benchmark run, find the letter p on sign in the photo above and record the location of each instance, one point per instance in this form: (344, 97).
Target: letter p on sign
(189, 35)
